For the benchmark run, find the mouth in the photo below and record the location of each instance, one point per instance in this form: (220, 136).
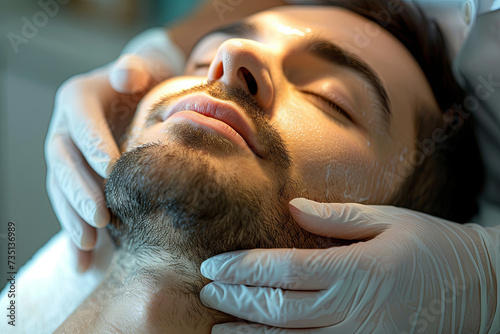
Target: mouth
(220, 116)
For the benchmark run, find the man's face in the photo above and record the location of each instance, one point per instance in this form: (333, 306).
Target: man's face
(336, 156)
(312, 102)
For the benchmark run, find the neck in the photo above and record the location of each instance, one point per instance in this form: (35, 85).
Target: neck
(147, 292)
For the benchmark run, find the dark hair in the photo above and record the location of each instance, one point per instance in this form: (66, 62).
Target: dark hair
(445, 173)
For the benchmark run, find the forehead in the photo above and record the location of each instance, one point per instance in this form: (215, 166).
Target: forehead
(346, 28)
(349, 30)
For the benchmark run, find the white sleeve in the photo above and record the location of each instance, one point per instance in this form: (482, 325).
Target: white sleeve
(48, 288)
(454, 17)
(485, 6)
(472, 32)
(479, 66)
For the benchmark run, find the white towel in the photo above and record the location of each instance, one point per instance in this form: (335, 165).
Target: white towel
(48, 288)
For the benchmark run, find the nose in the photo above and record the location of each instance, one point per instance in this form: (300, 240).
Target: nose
(242, 63)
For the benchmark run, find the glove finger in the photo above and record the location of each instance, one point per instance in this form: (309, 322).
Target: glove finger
(129, 74)
(83, 235)
(249, 328)
(279, 268)
(338, 220)
(242, 328)
(86, 122)
(83, 259)
(277, 307)
(252, 328)
(297, 269)
(79, 184)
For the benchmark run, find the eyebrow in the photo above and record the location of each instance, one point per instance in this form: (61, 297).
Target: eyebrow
(326, 50)
(337, 55)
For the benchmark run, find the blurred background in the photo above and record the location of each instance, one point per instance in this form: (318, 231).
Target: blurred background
(72, 36)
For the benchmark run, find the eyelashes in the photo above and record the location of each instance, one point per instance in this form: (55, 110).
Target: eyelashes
(198, 66)
(330, 104)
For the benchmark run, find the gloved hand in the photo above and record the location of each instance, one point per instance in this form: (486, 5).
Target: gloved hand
(91, 112)
(410, 273)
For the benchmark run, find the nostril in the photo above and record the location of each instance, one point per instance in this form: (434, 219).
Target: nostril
(250, 80)
(218, 70)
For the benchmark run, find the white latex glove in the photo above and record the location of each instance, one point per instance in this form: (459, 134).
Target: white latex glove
(81, 144)
(415, 274)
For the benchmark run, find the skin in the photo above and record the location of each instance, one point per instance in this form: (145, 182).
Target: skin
(334, 158)
(328, 150)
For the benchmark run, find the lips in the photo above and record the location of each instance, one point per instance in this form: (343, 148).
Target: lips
(221, 110)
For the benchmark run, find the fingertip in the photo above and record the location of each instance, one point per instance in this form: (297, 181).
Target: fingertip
(88, 238)
(206, 269)
(102, 217)
(305, 207)
(218, 266)
(208, 294)
(129, 74)
(297, 206)
(308, 212)
(219, 329)
(83, 260)
(204, 272)
(326, 219)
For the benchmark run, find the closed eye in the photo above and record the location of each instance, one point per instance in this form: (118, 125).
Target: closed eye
(198, 66)
(330, 104)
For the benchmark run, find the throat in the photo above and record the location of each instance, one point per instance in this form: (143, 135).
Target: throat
(153, 293)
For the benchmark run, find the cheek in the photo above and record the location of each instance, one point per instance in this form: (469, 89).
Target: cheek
(333, 163)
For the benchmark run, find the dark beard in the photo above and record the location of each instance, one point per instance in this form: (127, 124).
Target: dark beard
(171, 196)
